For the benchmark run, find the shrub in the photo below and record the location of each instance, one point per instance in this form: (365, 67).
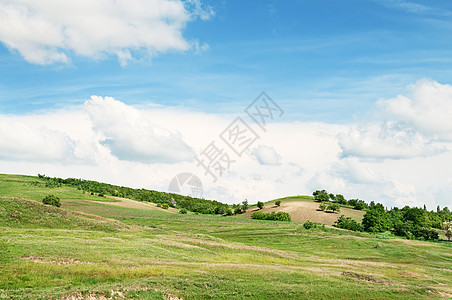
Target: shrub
(348, 223)
(165, 205)
(51, 200)
(308, 225)
(448, 228)
(279, 216)
(183, 211)
(237, 211)
(334, 207)
(229, 212)
(322, 206)
(278, 203)
(260, 205)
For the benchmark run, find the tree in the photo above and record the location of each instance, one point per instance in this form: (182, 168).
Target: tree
(51, 200)
(278, 203)
(322, 206)
(348, 223)
(334, 207)
(321, 195)
(340, 199)
(332, 197)
(245, 205)
(260, 205)
(376, 219)
(448, 228)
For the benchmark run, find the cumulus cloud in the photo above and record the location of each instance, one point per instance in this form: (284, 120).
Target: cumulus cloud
(46, 32)
(130, 134)
(266, 155)
(23, 142)
(385, 140)
(427, 109)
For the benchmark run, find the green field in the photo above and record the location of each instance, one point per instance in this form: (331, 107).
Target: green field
(92, 249)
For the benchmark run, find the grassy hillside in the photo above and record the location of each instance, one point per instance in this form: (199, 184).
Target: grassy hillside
(100, 249)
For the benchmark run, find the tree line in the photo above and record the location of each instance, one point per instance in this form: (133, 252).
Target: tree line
(409, 222)
(196, 205)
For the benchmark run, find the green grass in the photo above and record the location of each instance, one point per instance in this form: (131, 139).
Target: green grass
(88, 248)
(34, 188)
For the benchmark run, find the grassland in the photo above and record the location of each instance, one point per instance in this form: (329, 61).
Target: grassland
(101, 249)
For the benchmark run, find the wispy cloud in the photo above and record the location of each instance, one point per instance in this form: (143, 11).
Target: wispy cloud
(413, 7)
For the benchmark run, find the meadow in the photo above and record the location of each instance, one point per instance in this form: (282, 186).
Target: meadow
(100, 248)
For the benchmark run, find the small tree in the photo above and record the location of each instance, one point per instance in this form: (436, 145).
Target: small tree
(278, 203)
(51, 200)
(321, 195)
(340, 199)
(322, 206)
(335, 207)
(260, 205)
(448, 229)
(245, 205)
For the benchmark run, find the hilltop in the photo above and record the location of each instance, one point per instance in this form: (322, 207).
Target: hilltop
(303, 208)
(100, 247)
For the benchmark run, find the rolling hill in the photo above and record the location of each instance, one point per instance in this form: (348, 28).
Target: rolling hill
(303, 208)
(117, 248)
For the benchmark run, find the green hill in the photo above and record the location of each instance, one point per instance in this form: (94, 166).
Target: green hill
(98, 248)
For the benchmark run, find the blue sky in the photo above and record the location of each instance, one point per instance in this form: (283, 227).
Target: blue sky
(129, 92)
(323, 59)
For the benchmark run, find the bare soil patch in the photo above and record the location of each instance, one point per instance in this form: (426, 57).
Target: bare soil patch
(302, 210)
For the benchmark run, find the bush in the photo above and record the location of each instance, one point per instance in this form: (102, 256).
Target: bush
(322, 206)
(308, 225)
(183, 211)
(448, 228)
(51, 200)
(237, 211)
(165, 205)
(279, 216)
(348, 223)
(278, 203)
(334, 207)
(260, 205)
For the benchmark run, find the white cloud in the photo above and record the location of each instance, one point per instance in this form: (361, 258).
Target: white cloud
(266, 155)
(391, 162)
(385, 141)
(427, 109)
(47, 31)
(23, 142)
(131, 135)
